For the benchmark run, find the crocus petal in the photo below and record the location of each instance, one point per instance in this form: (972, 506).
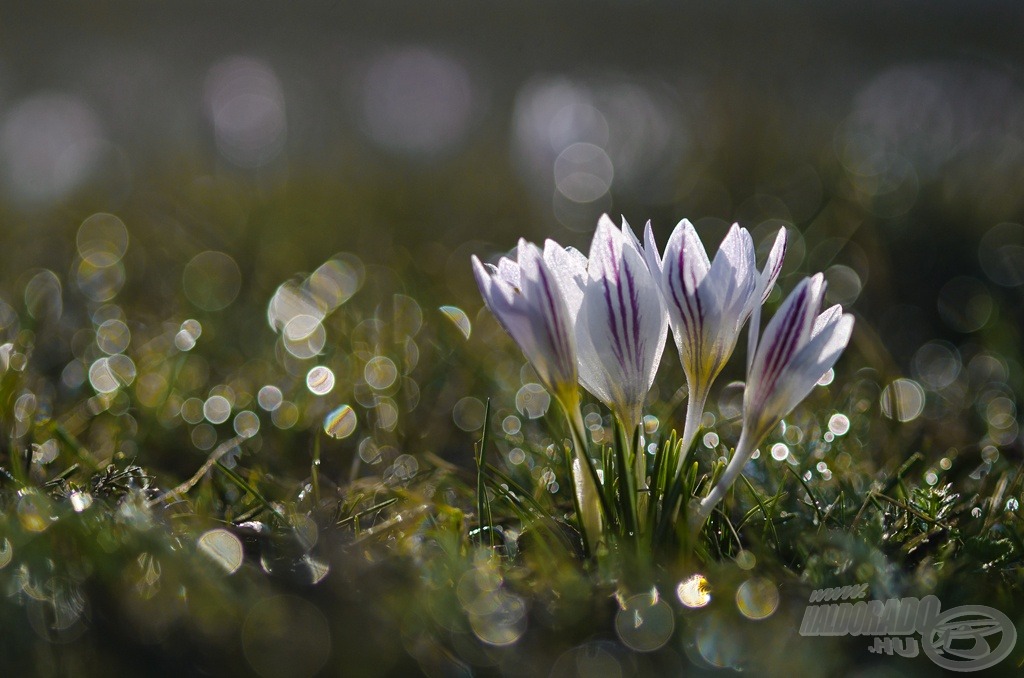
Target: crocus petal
(799, 347)
(508, 271)
(631, 239)
(685, 266)
(785, 334)
(815, 359)
(533, 313)
(773, 266)
(543, 296)
(506, 306)
(730, 283)
(569, 266)
(651, 252)
(622, 325)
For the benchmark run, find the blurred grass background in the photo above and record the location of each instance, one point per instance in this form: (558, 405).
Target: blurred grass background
(242, 145)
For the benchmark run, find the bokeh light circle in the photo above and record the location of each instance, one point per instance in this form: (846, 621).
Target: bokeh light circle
(645, 623)
(340, 423)
(212, 280)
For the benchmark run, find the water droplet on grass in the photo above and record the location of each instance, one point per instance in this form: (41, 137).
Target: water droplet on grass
(102, 239)
(651, 424)
(246, 424)
(33, 512)
(645, 623)
(839, 424)
(511, 424)
(694, 591)
(217, 409)
(223, 547)
(498, 618)
(45, 452)
(269, 398)
(532, 401)
(340, 423)
(80, 501)
(468, 414)
(459, 318)
(320, 380)
(113, 336)
(902, 400)
(380, 372)
(757, 598)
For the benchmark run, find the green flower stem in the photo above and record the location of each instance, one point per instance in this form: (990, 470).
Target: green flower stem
(744, 449)
(587, 496)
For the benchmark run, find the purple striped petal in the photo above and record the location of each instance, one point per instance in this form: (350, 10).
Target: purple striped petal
(773, 267)
(543, 296)
(622, 325)
(684, 268)
(533, 313)
(786, 333)
(815, 359)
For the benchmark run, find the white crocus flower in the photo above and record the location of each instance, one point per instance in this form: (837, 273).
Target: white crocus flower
(525, 298)
(708, 303)
(798, 347)
(619, 318)
(528, 302)
(621, 326)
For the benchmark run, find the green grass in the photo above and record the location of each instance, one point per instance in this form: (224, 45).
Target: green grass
(439, 536)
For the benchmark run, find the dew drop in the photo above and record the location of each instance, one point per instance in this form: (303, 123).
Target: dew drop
(80, 500)
(223, 547)
(320, 380)
(113, 336)
(45, 452)
(217, 409)
(645, 623)
(269, 398)
(902, 400)
(694, 591)
(380, 372)
(511, 424)
(532, 401)
(839, 424)
(468, 414)
(459, 318)
(212, 280)
(246, 424)
(757, 598)
(340, 423)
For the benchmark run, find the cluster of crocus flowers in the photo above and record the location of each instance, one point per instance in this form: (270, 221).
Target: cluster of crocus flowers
(601, 321)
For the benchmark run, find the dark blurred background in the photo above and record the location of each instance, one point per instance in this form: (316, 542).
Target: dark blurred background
(888, 135)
